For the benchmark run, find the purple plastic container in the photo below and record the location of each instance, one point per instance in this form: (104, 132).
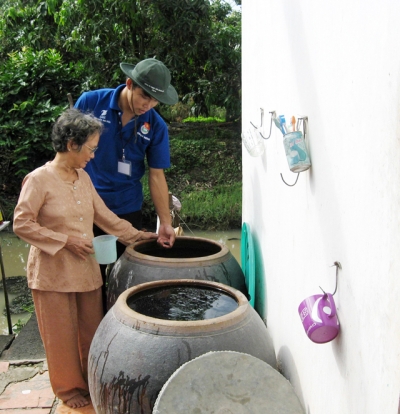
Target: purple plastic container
(318, 315)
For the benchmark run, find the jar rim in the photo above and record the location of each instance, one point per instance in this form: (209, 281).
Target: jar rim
(146, 323)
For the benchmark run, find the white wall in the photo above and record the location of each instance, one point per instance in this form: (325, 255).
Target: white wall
(337, 62)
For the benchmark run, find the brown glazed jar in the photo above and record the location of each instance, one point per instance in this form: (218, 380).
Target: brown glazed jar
(133, 355)
(190, 258)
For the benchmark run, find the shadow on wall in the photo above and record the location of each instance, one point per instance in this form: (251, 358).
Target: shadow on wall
(287, 367)
(339, 351)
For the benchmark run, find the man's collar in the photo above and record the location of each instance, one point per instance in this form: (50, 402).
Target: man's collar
(115, 96)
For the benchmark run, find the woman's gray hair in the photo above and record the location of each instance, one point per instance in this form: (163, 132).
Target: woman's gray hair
(73, 125)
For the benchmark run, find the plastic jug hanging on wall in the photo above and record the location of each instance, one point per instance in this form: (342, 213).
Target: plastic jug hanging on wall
(319, 316)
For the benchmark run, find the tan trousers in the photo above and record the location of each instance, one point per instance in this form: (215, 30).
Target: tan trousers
(67, 323)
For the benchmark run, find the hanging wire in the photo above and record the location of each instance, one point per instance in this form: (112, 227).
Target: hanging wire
(180, 218)
(290, 185)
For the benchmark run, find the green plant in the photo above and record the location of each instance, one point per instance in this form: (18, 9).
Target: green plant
(175, 112)
(206, 176)
(7, 205)
(202, 119)
(17, 327)
(33, 93)
(29, 308)
(219, 208)
(51, 48)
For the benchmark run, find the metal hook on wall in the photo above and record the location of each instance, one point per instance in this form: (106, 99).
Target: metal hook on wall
(338, 266)
(273, 113)
(301, 121)
(290, 185)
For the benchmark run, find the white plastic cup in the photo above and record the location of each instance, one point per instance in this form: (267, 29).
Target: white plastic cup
(105, 249)
(253, 142)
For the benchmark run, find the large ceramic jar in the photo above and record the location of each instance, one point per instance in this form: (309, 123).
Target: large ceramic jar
(190, 258)
(133, 354)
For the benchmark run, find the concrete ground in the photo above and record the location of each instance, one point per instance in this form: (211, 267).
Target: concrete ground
(24, 378)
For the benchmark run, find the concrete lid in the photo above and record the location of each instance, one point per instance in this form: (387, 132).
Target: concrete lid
(227, 382)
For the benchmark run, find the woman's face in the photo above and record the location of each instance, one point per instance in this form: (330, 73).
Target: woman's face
(79, 158)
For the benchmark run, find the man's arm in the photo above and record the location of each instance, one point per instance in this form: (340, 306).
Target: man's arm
(159, 194)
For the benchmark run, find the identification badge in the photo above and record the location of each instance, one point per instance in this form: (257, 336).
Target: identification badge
(125, 167)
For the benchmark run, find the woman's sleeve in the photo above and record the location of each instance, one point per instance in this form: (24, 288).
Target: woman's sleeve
(25, 225)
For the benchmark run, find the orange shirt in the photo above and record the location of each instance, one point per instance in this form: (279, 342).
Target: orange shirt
(48, 211)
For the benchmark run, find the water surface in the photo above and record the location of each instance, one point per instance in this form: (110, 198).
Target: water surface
(183, 303)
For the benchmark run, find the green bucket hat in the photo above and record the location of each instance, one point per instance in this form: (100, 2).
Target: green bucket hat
(153, 77)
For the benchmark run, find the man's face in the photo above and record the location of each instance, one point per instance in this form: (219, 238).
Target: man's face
(139, 101)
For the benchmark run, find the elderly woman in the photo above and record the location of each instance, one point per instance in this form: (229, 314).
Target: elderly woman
(55, 214)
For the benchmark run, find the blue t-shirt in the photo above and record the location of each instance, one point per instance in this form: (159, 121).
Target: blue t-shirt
(122, 193)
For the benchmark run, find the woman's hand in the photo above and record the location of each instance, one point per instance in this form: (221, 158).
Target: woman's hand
(147, 235)
(80, 247)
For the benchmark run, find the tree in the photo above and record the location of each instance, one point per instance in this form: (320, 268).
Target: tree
(49, 48)
(199, 41)
(33, 89)
(202, 44)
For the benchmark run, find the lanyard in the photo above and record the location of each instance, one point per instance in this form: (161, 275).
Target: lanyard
(134, 134)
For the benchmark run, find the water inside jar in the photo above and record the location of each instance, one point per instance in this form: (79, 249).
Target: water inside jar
(183, 303)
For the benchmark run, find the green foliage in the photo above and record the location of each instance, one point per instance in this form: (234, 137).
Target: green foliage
(49, 48)
(202, 119)
(199, 40)
(175, 112)
(17, 327)
(211, 154)
(7, 205)
(101, 40)
(183, 112)
(32, 97)
(206, 176)
(219, 208)
(220, 82)
(25, 23)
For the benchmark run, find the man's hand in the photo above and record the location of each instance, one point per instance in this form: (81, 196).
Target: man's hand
(166, 236)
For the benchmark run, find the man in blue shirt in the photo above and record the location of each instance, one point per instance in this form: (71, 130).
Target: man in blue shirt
(133, 132)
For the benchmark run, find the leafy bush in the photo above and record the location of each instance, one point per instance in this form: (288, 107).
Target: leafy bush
(205, 175)
(218, 208)
(33, 93)
(202, 119)
(51, 48)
